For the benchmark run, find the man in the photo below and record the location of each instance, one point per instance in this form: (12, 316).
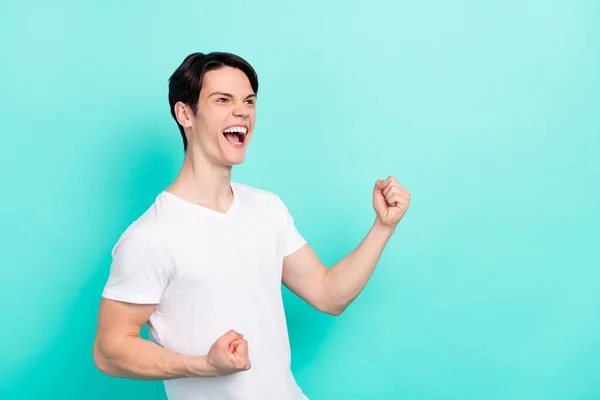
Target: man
(203, 266)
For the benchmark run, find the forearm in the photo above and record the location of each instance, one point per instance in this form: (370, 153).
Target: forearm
(346, 279)
(137, 358)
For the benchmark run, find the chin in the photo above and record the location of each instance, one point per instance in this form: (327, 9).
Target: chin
(235, 157)
(235, 161)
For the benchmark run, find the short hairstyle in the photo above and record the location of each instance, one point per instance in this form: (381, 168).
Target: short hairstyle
(186, 81)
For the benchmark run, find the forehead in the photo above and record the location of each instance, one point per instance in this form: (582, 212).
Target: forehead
(226, 79)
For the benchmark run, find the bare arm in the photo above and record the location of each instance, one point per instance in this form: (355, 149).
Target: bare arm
(332, 290)
(120, 351)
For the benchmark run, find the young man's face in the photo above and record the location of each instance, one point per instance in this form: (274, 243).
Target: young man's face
(225, 116)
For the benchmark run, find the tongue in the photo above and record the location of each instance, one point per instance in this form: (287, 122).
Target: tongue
(232, 137)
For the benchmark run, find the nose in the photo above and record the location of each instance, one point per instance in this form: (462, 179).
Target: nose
(241, 111)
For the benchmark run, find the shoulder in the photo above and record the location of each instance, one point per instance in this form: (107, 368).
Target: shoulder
(252, 190)
(143, 234)
(261, 201)
(251, 193)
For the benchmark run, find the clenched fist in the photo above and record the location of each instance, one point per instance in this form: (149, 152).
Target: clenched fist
(229, 354)
(390, 201)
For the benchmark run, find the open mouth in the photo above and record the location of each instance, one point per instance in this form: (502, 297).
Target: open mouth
(236, 135)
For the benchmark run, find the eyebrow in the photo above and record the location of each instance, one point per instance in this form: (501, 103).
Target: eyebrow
(230, 95)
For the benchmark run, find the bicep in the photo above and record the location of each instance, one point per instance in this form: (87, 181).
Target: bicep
(117, 323)
(119, 319)
(304, 274)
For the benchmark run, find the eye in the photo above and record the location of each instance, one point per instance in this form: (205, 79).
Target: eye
(250, 101)
(222, 99)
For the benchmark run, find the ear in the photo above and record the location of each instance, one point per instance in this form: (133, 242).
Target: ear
(184, 114)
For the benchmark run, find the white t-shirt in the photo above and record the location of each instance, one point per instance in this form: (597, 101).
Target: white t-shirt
(210, 272)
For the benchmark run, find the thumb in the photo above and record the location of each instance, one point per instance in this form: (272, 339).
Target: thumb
(229, 337)
(242, 348)
(242, 359)
(380, 184)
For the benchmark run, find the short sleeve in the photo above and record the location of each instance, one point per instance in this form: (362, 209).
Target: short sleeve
(137, 274)
(291, 240)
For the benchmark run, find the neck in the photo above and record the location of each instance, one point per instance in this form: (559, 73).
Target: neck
(203, 182)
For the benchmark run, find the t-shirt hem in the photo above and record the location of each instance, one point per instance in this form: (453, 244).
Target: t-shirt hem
(129, 298)
(294, 248)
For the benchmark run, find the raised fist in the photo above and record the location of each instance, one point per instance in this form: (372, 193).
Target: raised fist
(229, 354)
(390, 201)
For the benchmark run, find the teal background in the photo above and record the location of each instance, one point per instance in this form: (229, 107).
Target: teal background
(489, 112)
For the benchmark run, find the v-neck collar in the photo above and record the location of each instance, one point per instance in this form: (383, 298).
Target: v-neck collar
(206, 210)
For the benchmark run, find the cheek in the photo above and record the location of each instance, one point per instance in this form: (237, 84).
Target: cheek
(212, 119)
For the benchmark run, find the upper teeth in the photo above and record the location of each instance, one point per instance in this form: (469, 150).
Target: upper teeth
(238, 129)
